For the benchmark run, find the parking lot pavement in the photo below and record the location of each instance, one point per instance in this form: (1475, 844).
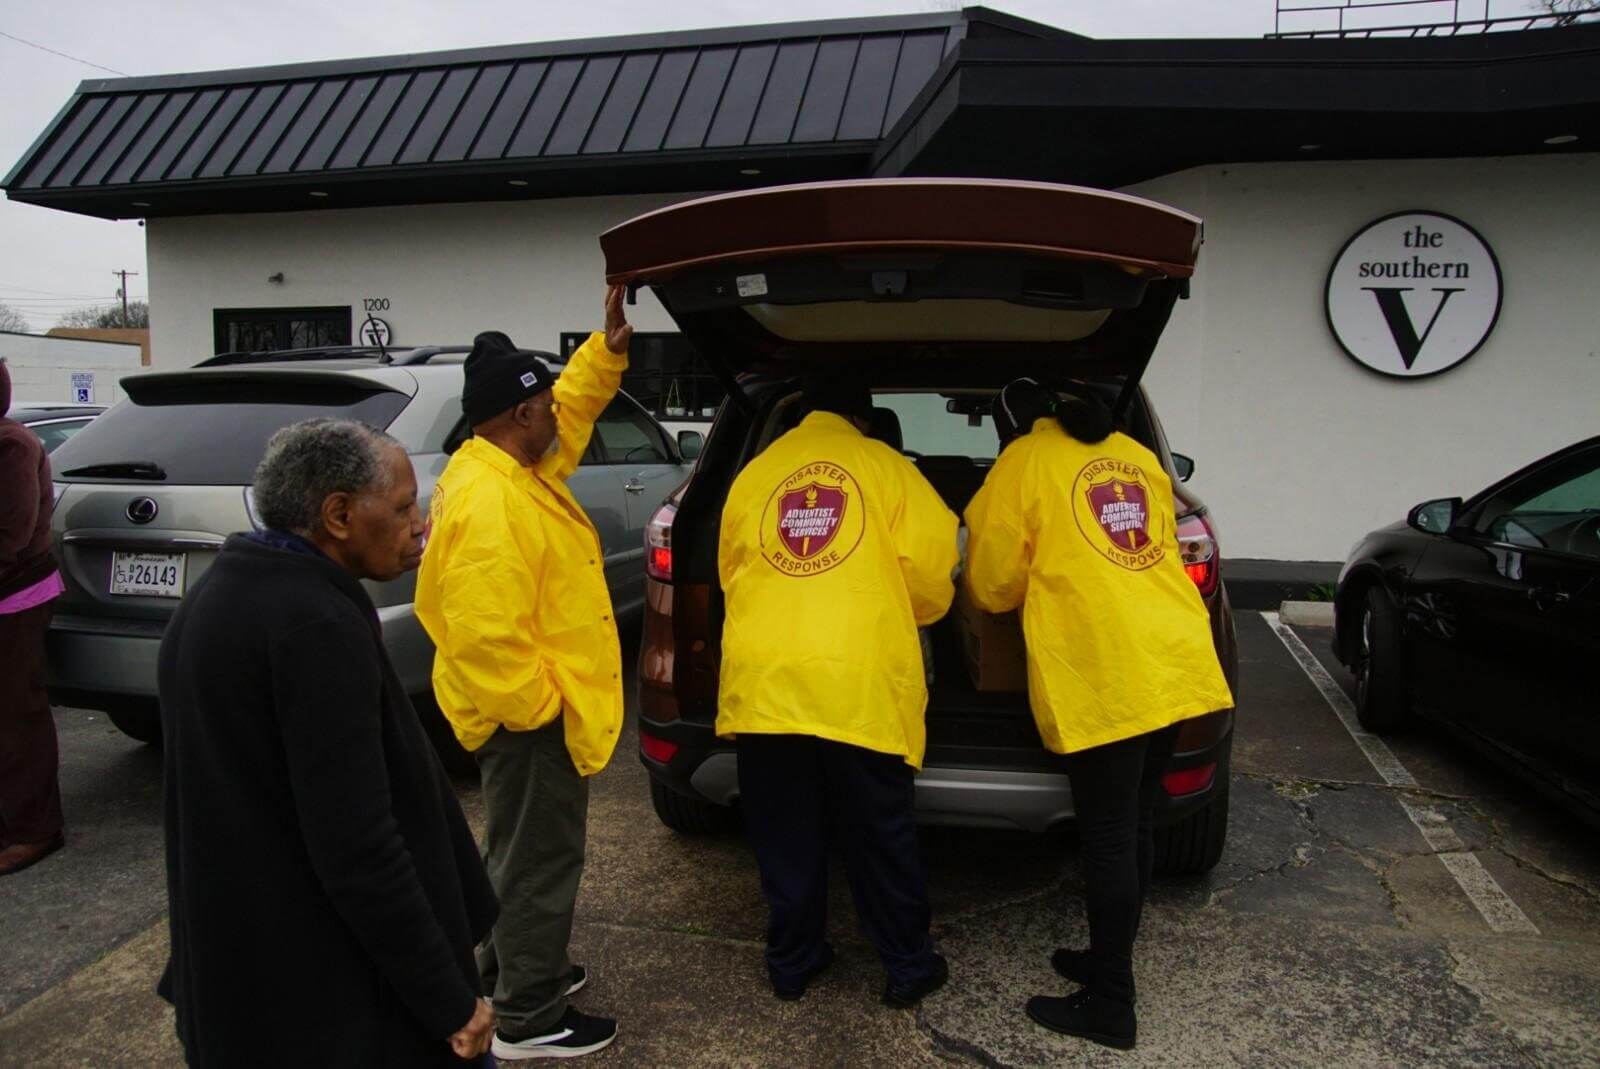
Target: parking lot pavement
(1332, 933)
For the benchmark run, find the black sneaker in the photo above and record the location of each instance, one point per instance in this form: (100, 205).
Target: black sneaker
(1087, 1016)
(905, 996)
(574, 1035)
(576, 979)
(1071, 964)
(789, 992)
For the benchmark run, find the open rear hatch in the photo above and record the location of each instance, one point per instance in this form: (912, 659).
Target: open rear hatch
(990, 279)
(1001, 278)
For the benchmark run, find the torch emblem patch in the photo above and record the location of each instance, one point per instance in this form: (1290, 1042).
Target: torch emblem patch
(1122, 510)
(1111, 500)
(813, 520)
(809, 518)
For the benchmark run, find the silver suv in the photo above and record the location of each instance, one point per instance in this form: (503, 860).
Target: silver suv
(146, 494)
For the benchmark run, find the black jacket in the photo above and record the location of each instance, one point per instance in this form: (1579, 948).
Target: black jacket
(325, 892)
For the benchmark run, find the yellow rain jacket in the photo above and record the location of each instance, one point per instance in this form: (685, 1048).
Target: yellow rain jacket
(1083, 538)
(834, 550)
(512, 587)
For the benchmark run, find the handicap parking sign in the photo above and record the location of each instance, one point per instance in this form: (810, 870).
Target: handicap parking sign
(83, 387)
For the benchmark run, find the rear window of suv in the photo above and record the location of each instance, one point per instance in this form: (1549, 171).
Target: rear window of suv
(213, 433)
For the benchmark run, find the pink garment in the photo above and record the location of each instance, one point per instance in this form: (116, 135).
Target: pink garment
(46, 589)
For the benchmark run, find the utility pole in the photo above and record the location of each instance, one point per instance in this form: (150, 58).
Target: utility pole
(123, 292)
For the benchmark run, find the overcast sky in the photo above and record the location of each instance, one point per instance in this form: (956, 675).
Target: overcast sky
(54, 260)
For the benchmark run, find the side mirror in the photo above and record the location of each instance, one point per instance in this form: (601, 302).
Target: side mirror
(1435, 517)
(690, 443)
(1184, 466)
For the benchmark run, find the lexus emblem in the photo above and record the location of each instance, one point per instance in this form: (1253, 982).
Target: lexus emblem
(142, 509)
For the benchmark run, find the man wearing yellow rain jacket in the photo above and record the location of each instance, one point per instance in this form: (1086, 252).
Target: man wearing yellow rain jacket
(834, 550)
(1075, 526)
(528, 669)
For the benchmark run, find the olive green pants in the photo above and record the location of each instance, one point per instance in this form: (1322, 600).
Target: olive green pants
(536, 808)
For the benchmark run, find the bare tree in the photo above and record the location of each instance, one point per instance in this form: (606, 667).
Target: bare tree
(1567, 12)
(109, 315)
(12, 320)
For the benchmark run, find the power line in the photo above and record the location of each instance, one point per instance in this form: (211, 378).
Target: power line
(63, 55)
(30, 289)
(28, 298)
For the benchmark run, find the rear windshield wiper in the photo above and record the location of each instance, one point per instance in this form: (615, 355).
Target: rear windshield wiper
(122, 469)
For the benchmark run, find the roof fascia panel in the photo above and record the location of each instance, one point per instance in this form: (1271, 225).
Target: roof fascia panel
(730, 35)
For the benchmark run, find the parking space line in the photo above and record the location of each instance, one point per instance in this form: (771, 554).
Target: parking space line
(1499, 912)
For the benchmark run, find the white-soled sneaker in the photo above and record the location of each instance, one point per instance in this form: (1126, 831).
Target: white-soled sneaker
(576, 1034)
(576, 979)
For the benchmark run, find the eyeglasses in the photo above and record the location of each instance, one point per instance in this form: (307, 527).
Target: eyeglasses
(553, 405)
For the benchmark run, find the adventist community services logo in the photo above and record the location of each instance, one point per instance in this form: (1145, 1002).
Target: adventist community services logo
(1111, 502)
(813, 520)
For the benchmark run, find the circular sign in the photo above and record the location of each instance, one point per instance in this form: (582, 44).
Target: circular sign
(374, 331)
(1413, 294)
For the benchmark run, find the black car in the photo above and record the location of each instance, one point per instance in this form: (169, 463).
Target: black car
(54, 424)
(1484, 616)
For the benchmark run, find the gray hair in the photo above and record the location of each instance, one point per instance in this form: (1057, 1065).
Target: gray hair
(307, 461)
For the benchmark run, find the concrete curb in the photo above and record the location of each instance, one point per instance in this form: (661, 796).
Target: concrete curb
(1306, 613)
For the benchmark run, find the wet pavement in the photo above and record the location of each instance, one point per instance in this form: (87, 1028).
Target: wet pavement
(1332, 932)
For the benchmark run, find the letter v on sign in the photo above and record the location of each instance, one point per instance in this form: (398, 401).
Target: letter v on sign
(1395, 313)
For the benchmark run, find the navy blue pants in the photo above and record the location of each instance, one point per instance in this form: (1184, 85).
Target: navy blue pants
(801, 795)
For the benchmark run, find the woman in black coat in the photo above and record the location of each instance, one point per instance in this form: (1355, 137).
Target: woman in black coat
(325, 891)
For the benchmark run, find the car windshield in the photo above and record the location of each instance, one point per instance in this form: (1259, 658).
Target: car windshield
(209, 434)
(928, 428)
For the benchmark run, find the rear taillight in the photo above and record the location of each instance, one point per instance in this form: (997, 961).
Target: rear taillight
(1189, 780)
(658, 543)
(657, 749)
(1199, 549)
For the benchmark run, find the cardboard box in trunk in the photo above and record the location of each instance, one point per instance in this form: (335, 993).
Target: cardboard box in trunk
(992, 644)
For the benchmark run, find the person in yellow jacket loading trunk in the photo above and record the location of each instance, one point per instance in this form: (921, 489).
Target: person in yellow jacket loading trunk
(834, 550)
(528, 669)
(1075, 526)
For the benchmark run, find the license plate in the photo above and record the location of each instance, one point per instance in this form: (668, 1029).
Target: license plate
(149, 575)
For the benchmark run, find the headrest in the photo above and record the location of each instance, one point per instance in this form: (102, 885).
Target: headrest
(886, 428)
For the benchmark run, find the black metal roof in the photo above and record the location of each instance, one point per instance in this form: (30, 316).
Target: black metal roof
(969, 93)
(665, 111)
(1109, 113)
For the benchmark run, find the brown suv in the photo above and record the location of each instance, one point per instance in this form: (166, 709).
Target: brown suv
(943, 291)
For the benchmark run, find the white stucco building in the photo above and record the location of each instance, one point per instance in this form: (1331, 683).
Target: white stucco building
(453, 193)
(50, 369)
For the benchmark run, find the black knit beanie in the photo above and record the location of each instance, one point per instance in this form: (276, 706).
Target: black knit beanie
(500, 376)
(841, 391)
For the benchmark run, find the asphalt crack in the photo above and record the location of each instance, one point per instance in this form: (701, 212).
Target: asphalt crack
(956, 1047)
(686, 930)
(978, 912)
(1483, 1002)
(1312, 785)
(1586, 892)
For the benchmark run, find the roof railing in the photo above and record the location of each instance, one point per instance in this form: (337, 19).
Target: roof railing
(1454, 18)
(400, 356)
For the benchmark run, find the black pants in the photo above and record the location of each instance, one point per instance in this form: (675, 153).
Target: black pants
(1114, 791)
(30, 800)
(802, 794)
